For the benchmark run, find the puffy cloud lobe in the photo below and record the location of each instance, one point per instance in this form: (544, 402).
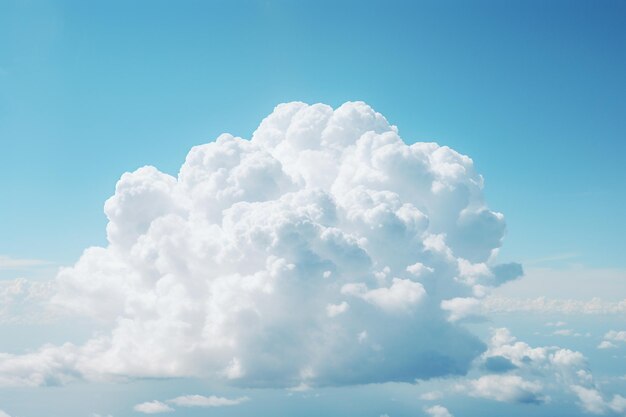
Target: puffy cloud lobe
(400, 296)
(507, 388)
(243, 266)
(438, 411)
(505, 351)
(461, 307)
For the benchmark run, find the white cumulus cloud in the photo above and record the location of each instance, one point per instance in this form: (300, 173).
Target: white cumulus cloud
(461, 307)
(438, 411)
(519, 372)
(612, 338)
(615, 336)
(605, 344)
(153, 407)
(507, 388)
(238, 267)
(400, 296)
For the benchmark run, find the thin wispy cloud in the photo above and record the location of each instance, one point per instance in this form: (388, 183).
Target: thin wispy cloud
(202, 401)
(544, 305)
(10, 263)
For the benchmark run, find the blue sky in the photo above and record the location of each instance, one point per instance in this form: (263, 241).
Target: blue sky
(532, 91)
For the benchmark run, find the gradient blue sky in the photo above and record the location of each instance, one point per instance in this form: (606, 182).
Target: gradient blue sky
(533, 91)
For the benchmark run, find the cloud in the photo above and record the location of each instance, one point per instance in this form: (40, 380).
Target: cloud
(4, 414)
(50, 365)
(615, 336)
(8, 263)
(400, 296)
(438, 411)
(237, 268)
(202, 401)
(555, 283)
(504, 346)
(507, 388)
(617, 404)
(527, 374)
(605, 344)
(431, 396)
(497, 304)
(612, 338)
(336, 309)
(24, 301)
(590, 399)
(460, 307)
(153, 407)
(498, 364)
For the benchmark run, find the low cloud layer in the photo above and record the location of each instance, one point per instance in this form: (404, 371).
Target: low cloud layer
(323, 251)
(202, 401)
(544, 305)
(23, 301)
(516, 372)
